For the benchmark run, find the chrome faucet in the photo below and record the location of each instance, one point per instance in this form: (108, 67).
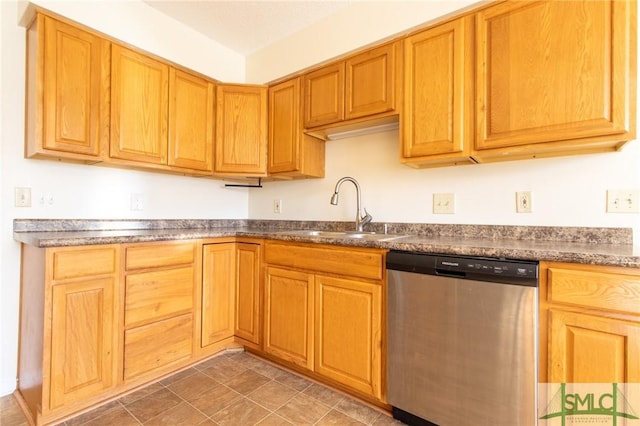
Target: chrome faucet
(361, 220)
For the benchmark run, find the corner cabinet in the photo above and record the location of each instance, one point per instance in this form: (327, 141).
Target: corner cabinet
(555, 78)
(437, 125)
(311, 292)
(292, 154)
(241, 130)
(67, 92)
(589, 323)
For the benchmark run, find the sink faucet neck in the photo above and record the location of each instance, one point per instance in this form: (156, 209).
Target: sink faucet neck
(361, 219)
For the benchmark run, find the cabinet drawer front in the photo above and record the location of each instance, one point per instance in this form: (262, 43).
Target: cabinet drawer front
(157, 345)
(153, 295)
(610, 291)
(365, 263)
(83, 261)
(159, 255)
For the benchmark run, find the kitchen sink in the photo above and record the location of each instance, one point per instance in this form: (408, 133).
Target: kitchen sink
(370, 236)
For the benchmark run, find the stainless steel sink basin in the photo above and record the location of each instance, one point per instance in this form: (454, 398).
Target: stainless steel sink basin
(372, 236)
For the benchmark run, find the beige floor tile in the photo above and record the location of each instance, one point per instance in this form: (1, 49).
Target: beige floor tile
(386, 420)
(152, 405)
(95, 413)
(244, 359)
(274, 420)
(242, 412)
(267, 370)
(147, 390)
(215, 399)
(247, 382)
(357, 410)
(335, 417)
(323, 394)
(178, 376)
(116, 417)
(180, 415)
(192, 386)
(296, 382)
(303, 410)
(222, 368)
(272, 395)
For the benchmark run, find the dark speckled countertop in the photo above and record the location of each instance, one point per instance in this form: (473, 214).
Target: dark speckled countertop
(601, 246)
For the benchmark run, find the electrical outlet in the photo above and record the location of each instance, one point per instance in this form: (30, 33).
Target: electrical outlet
(524, 203)
(22, 197)
(623, 201)
(444, 204)
(277, 206)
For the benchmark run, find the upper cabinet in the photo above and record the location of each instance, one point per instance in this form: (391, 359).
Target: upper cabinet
(555, 77)
(139, 107)
(241, 130)
(292, 153)
(357, 89)
(437, 125)
(67, 92)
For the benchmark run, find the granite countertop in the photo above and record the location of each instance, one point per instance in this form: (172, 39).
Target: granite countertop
(601, 246)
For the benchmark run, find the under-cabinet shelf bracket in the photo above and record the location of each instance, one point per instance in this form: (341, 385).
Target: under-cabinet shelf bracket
(244, 185)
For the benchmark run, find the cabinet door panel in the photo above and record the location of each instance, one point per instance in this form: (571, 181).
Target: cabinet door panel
(153, 295)
(139, 107)
(191, 121)
(247, 324)
(586, 348)
(348, 333)
(73, 89)
(157, 345)
(285, 130)
(82, 348)
(241, 130)
(438, 91)
(289, 316)
(324, 96)
(371, 82)
(565, 77)
(218, 291)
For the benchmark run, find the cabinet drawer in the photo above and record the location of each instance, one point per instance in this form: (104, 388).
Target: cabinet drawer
(153, 295)
(157, 345)
(83, 261)
(595, 289)
(159, 255)
(365, 263)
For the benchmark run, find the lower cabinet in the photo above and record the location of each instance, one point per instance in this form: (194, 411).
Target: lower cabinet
(589, 323)
(247, 306)
(323, 312)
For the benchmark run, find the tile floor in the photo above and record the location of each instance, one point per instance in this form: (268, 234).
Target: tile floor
(235, 389)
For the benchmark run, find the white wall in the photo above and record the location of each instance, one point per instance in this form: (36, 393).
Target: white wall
(569, 191)
(81, 191)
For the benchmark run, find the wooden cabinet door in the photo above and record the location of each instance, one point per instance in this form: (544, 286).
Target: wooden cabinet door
(83, 356)
(291, 152)
(285, 130)
(555, 71)
(218, 292)
(370, 80)
(73, 90)
(247, 323)
(348, 327)
(288, 321)
(438, 93)
(241, 130)
(191, 121)
(139, 107)
(585, 348)
(324, 95)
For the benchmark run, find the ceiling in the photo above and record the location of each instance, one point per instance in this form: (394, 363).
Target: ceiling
(248, 26)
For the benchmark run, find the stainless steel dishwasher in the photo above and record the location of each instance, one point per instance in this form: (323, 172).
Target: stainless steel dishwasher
(461, 340)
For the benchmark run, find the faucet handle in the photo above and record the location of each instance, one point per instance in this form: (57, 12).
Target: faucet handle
(366, 219)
